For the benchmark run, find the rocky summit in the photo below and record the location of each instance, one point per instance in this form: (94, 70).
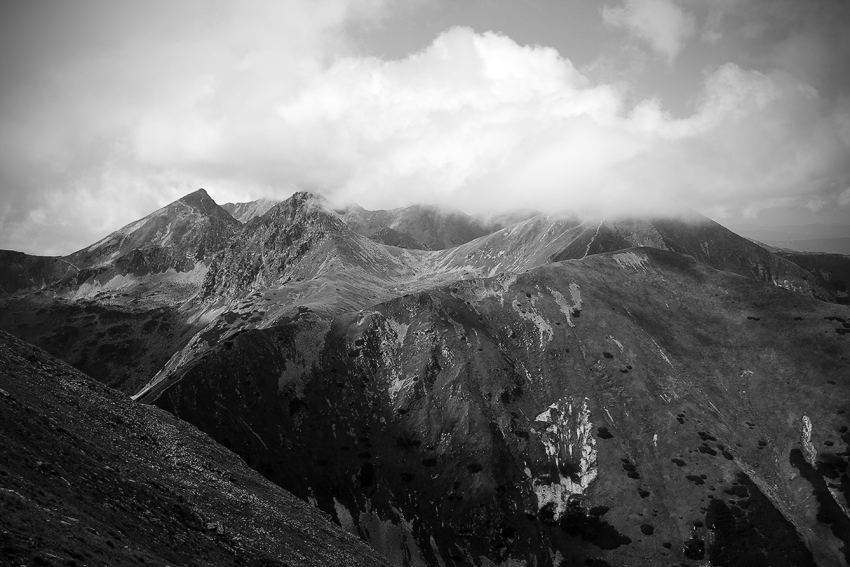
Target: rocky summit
(539, 390)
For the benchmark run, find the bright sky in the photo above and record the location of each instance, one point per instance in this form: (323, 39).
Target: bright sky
(110, 109)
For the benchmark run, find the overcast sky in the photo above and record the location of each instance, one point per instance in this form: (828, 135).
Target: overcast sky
(109, 110)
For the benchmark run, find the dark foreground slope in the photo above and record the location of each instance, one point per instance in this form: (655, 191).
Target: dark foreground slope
(630, 408)
(88, 477)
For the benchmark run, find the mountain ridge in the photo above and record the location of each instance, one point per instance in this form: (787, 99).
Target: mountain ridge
(534, 393)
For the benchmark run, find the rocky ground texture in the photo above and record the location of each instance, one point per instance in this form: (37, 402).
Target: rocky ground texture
(87, 477)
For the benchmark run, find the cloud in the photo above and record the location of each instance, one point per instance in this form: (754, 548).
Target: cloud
(253, 105)
(478, 121)
(111, 109)
(661, 23)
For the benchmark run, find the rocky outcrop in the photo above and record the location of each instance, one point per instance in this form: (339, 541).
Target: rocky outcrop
(296, 240)
(570, 446)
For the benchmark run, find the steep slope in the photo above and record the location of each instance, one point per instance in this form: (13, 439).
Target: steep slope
(180, 237)
(244, 212)
(89, 477)
(635, 407)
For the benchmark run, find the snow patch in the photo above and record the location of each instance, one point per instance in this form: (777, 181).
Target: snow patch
(806, 438)
(570, 446)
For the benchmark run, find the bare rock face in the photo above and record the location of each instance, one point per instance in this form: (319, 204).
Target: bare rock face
(89, 477)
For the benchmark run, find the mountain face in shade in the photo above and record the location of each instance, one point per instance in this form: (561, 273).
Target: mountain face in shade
(87, 476)
(554, 391)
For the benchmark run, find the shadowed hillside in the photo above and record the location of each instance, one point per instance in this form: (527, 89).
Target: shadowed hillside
(89, 477)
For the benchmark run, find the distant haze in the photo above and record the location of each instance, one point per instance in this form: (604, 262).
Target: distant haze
(112, 109)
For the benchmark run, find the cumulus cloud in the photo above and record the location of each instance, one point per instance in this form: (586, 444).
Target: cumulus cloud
(474, 120)
(661, 23)
(479, 121)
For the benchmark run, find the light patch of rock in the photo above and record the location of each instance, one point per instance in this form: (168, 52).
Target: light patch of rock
(630, 260)
(569, 444)
(530, 314)
(809, 449)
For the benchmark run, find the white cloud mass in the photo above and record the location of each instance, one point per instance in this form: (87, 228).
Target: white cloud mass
(262, 105)
(479, 121)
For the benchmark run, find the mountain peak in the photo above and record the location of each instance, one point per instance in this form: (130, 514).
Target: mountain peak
(199, 200)
(305, 198)
(299, 205)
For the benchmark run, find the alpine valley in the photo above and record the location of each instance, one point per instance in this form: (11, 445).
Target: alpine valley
(537, 390)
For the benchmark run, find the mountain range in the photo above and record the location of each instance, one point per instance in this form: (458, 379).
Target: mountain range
(534, 389)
